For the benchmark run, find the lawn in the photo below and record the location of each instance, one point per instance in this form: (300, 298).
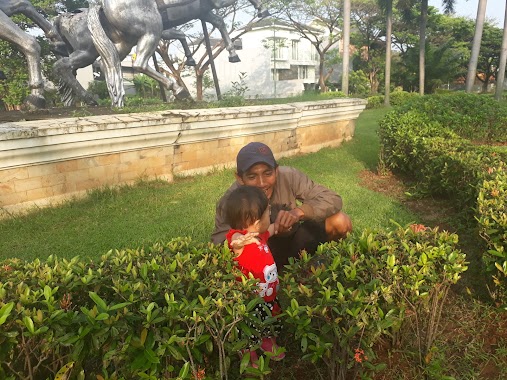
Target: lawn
(131, 216)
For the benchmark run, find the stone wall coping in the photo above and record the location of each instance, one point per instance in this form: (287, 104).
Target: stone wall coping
(52, 127)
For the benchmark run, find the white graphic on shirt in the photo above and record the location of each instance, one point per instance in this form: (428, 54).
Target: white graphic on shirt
(271, 278)
(263, 247)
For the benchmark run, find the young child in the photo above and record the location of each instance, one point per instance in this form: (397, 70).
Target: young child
(247, 212)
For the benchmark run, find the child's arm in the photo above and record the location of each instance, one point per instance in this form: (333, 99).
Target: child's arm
(271, 229)
(238, 241)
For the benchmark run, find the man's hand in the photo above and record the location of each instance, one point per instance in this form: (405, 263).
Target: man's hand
(286, 219)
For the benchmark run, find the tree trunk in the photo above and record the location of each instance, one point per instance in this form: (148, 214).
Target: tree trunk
(422, 44)
(346, 49)
(389, 31)
(476, 46)
(503, 58)
(485, 85)
(322, 80)
(198, 84)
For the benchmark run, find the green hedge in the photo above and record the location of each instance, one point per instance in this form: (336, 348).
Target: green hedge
(471, 116)
(492, 218)
(396, 98)
(175, 310)
(350, 294)
(436, 140)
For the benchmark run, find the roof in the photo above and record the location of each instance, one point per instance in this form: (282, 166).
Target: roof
(272, 21)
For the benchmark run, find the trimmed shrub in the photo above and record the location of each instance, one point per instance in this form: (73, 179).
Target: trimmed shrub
(429, 139)
(375, 101)
(492, 218)
(397, 98)
(176, 310)
(349, 294)
(160, 312)
(471, 116)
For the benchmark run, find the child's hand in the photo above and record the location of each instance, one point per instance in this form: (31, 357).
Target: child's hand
(239, 241)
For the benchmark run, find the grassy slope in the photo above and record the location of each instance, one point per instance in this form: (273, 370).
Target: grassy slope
(157, 211)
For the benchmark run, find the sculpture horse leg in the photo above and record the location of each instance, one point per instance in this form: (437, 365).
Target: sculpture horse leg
(175, 34)
(261, 12)
(31, 49)
(74, 30)
(26, 8)
(218, 22)
(145, 48)
(65, 69)
(111, 64)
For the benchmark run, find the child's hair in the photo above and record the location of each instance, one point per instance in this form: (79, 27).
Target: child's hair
(244, 206)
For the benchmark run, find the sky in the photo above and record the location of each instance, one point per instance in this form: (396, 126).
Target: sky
(495, 9)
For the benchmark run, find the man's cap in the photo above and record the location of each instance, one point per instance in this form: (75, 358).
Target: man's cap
(254, 153)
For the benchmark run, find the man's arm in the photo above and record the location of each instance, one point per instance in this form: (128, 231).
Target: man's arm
(318, 202)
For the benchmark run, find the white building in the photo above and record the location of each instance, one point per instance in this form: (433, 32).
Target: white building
(276, 69)
(271, 69)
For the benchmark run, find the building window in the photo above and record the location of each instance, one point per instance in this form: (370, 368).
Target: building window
(303, 72)
(278, 47)
(315, 54)
(295, 50)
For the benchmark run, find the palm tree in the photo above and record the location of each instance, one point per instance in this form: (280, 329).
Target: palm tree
(503, 57)
(476, 45)
(346, 44)
(389, 32)
(422, 44)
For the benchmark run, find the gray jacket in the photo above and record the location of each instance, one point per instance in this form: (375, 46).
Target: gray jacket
(292, 189)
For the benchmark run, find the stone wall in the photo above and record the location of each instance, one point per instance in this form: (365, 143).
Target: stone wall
(47, 161)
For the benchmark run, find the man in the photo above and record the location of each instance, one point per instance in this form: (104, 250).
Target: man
(305, 214)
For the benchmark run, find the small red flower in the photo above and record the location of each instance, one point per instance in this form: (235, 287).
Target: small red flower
(490, 170)
(359, 356)
(66, 302)
(416, 228)
(7, 268)
(201, 374)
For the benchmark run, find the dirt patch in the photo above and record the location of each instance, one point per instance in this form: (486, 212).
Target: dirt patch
(433, 212)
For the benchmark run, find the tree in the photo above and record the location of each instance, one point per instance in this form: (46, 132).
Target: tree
(346, 46)
(476, 46)
(389, 32)
(447, 50)
(318, 21)
(489, 59)
(503, 58)
(422, 44)
(176, 64)
(368, 37)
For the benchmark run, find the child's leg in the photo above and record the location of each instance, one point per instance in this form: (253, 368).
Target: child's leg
(268, 343)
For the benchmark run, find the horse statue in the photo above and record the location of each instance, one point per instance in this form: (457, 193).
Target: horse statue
(28, 45)
(114, 24)
(73, 29)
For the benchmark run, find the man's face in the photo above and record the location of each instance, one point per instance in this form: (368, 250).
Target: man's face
(260, 175)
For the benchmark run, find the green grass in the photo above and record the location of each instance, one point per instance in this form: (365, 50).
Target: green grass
(132, 216)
